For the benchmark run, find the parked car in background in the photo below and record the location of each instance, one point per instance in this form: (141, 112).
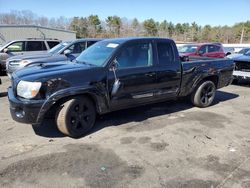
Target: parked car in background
(243, 51)
(212, 50)
(67, 50)
(25, 46)
(240, 53)
(242, 66)
(113, 74)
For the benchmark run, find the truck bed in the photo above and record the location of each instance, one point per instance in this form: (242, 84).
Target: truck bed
(197, 67)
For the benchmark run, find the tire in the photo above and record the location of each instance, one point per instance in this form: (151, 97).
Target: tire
(203, 95)
(76, 117)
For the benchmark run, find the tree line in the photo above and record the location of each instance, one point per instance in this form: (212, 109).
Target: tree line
(115, 26)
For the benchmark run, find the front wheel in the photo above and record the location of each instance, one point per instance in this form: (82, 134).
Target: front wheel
(204, 94)
(76, 116)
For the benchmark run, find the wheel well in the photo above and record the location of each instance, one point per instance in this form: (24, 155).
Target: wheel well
(214, 79)
(53, 109)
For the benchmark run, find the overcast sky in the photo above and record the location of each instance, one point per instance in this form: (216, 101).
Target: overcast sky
(213, 12)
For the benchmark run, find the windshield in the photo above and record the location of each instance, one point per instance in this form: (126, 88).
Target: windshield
(244, 51)
(247, 53)
(98, 53)
(58, 47)
(228, 49)
(187, 49)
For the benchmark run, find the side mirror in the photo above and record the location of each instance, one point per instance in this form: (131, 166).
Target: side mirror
(67, 52)
(6, 50)
(117, 82)
(114, 65)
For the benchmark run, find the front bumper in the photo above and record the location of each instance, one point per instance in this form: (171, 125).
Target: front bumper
(24, 111)
(241, 75)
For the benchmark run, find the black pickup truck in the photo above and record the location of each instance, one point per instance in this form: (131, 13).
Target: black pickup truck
(110, 75)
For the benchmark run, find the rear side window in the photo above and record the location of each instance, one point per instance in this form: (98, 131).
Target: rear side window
(89, 43)
(135, 55)
(165, 53)
(203, 49)
(16, 47)
(35, 46)
(213, 48)
(77, 47)
(52, 43)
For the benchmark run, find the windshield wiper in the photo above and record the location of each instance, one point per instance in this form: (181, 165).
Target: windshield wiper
(82, 62)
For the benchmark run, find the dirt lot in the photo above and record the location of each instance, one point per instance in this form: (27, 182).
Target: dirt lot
(169, 144)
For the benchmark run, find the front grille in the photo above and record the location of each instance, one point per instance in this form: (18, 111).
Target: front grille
(242, 66)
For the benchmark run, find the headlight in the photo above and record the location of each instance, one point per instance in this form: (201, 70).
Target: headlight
(28, 90)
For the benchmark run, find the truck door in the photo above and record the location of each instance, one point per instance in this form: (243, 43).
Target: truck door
(136, 74)
(168, 71)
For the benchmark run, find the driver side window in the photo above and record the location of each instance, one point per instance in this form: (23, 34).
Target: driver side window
(16, 47)
(135, 55)
(77, 47)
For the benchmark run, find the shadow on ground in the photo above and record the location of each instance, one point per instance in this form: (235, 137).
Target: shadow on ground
(47, 129)
(138, 114)
(243, 83)
(222, 96)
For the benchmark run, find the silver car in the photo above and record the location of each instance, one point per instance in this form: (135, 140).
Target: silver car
(24, 46)
(67, 50)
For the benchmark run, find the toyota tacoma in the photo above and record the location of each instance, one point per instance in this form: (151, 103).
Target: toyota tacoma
(110, 75)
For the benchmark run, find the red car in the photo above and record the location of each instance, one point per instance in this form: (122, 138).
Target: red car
(213, 50)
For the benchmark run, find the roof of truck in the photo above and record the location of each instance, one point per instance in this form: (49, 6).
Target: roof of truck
(126, 39)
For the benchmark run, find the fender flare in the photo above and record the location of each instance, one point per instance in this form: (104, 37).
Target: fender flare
(100, 99)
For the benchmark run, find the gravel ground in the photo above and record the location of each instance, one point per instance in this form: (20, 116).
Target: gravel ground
(170, 144)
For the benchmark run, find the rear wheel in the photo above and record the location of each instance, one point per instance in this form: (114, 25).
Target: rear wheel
(76, 116)
(204, 94)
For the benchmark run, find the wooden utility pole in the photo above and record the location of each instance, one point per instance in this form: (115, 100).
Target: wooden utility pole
(242, 35)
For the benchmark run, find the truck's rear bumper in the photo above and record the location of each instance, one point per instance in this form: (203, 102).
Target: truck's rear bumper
(24, 112)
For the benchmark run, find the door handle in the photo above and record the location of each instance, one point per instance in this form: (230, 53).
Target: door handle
(151, 74)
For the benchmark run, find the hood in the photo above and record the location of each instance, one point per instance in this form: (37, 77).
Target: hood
(49, 59)
(31, 56)
(242, 58)
(232, 56)
(48, 70)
